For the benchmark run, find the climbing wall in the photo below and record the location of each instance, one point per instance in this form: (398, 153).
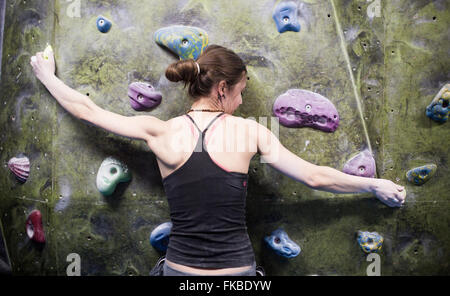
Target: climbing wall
(379, 62)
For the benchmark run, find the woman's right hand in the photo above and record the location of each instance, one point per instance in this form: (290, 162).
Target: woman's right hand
(43, 68)
(389, 193)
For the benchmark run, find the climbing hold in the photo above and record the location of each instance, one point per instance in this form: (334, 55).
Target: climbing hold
(103, 24)
(362, 164)
(361, 43)
(285, 17)
(370, 241)
(421, 175)
(438, 109)
(47, 51)
(159, 238)
(35, 230)
(110, 173)
(20, 166)
(186, 42)
(280, 242)
(303, 108)
(143, 96)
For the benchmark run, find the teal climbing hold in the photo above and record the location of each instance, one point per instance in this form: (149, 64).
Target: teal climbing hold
(110, 173)
(186, 42)
(422, 174)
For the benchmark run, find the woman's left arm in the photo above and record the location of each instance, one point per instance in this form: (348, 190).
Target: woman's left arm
(142, 127)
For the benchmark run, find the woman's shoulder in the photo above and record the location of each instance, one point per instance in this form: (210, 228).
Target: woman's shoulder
(239, 119)
(249, 122)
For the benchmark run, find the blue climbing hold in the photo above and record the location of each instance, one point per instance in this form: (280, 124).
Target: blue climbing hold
(186, 42)
(438, 109)
(159, 238)
(370, 241)
(103, 24)
(422, 174)
(280, 242)
(285, 17)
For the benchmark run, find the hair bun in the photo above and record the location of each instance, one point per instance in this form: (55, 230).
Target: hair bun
(217, 63)
(183, 70)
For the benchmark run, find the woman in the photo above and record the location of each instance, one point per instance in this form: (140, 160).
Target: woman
(206, 183)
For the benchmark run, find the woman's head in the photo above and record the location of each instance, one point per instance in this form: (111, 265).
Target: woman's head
(221, 80)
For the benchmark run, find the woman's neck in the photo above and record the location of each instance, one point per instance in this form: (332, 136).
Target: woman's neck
(206, 103)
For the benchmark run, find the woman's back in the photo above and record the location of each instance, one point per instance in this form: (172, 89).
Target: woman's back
(207, 208)
(229, 140)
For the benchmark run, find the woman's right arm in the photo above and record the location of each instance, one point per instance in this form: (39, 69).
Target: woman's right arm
(323, 178)
(143, 127)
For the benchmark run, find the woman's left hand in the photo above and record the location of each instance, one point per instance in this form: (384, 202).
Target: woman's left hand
(43, 68)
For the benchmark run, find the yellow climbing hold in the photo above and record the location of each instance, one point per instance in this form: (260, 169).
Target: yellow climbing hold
(446, 94)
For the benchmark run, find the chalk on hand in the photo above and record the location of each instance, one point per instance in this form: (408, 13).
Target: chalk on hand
(47, 51)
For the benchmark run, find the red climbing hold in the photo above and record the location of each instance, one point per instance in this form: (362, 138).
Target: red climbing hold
(35, 231)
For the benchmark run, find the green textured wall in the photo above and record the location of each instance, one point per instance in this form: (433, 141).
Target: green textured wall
(380, 72)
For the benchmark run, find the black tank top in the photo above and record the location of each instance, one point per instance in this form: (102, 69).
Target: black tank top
(207, 209)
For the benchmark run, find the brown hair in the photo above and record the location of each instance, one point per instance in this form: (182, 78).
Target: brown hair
(216, 63)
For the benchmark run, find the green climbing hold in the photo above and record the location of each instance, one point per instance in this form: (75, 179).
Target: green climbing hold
(110, 173)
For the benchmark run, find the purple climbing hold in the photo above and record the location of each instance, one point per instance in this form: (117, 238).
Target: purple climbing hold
(303, 108)
(143, 96)
(20, 166)
(362, 165)
(285, 17)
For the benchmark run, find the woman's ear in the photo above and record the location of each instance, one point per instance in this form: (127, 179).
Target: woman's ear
(221, 87)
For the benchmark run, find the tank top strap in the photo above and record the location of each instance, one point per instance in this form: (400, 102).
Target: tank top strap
(212, 121)
(199, 147)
